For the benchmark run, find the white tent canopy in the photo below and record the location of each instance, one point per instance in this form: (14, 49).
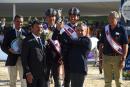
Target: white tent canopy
(55, 1)
(38, 7)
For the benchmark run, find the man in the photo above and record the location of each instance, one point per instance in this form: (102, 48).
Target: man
(14, 58)
(51, 34)
(114, 44)
(79, 48)
(2, 25)
(3, 28)
(34, 58)
(74, 14)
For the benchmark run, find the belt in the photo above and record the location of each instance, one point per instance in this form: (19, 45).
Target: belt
(113, 54)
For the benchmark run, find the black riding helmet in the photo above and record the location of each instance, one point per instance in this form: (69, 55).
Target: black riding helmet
(51, 12)
(74, 11)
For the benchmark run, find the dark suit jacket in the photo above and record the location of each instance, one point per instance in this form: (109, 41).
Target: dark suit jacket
(33, 57)
(8, 38)
(64, 40)
(52, 55)
(77, 55)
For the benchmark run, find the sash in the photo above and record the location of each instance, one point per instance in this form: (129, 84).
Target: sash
(56, 45)
(112, 42)
(70, 32)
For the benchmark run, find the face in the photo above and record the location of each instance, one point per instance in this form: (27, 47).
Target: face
(112, 20)
(3, 20)
(73, 18)
(51, 19)
(81, 31)
(18, 22)
(37, 29)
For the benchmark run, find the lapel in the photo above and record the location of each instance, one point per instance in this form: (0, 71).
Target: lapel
(23, 32)
(34, 41)
(13, 34)
(36, 44)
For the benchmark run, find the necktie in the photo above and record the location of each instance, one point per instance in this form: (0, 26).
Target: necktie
(39, 42)
(18, 33)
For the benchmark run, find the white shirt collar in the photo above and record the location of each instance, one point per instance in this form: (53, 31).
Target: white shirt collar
(18, 30)
(73, 25)
(53, 25)
(36, 37)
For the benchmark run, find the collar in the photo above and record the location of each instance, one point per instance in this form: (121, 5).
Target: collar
(18, 30)
(52, 25)
(35, 36)
(46, 26)
(73, 25)
(117, 26)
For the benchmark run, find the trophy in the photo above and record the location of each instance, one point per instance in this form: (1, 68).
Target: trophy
(16, 44)
(59, 17)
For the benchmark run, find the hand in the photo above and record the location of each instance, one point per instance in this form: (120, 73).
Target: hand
(11, 50)
(122, 64)
(29, 78)
(60, 25)
(60, 61)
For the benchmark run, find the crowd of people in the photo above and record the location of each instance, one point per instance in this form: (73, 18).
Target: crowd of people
(55, 47)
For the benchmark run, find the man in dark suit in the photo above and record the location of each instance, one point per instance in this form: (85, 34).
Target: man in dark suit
(51, 33)
(33, 57)
(78, 49)
(74, 15)
(14, 60)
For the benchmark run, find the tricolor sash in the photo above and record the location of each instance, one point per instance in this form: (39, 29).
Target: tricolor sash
(56, 46)
(70, 32)
(112, 42)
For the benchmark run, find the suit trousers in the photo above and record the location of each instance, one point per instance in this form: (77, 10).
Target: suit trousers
(67, 75)
(13, 72)
(54, 72)
(77, 79)
(111, 67)
(39, 82)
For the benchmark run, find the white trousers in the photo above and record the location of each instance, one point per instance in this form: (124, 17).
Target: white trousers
(13, 73)
(96, 54)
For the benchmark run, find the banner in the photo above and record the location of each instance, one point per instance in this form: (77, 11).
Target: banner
(126, 70)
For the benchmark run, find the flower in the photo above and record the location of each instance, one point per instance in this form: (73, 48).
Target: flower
(22, 37)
